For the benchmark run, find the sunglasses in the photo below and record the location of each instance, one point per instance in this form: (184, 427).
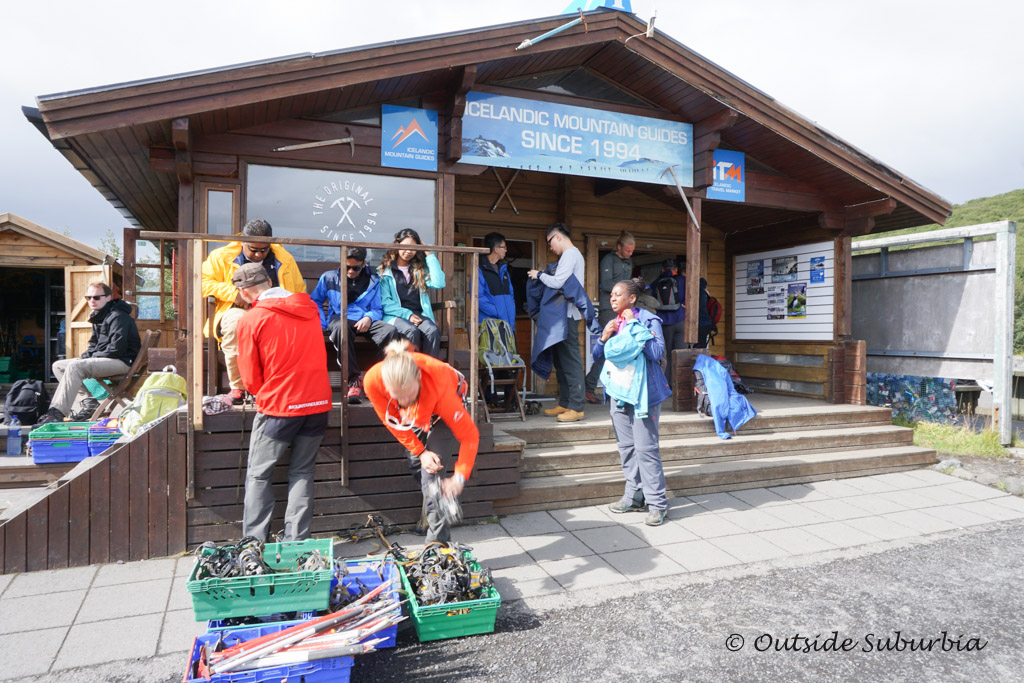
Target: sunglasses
(353, 269)
(95, 298)
(261, 250)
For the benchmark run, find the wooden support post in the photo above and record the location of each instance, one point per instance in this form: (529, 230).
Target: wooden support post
(343, 353)
(195, 356)
(843, 288)
(474, 324)
(692, 273)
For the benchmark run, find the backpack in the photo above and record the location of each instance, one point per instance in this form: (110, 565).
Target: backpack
(666, 291)
(28, 400)
(497, 346)
(700, 390)
(162, 392)
(715, 311)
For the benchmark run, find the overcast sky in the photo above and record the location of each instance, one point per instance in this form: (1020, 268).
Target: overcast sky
(932, 88)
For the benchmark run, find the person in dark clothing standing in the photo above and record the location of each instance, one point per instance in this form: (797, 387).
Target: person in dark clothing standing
(112, 349)
(673, 316)
(704, 323)
(496, 296)
(615, 266)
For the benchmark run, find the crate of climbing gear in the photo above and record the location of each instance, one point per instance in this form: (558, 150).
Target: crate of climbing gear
(103, 434)
(59, 442)
(450, 595)
(255, 579)
(352, 580)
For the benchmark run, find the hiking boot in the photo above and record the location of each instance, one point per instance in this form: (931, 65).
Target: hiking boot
(52, 415)
(570, 416)
(655, 517)
(592, 398)
(557, 410)
(237, 396)
(355, 392)
(634, 504)
(84, 413)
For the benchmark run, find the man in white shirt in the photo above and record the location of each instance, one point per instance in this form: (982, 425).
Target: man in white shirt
(567, 360)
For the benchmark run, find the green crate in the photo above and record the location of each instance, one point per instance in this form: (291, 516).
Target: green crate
(7, 364)
(61, 430)
(257, 596)
(453, 619)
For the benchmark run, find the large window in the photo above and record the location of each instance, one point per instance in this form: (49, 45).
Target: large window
(338, 205)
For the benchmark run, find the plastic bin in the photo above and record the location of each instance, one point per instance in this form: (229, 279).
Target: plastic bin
(333, 670)
(102, 435)
(453, 619)
(60, 442)
(297, 591)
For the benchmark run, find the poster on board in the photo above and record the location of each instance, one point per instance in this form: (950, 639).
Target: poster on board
(784, 269)
(796, 300)
(776, 302)
(817, 269)
(755, 277)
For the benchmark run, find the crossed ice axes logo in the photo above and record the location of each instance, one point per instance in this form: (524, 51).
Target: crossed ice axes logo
(344, 210)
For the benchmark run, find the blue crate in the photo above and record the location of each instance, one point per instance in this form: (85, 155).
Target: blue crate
(336, 670)
(46, 451)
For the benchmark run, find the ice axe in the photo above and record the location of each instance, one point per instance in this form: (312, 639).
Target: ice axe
(682, 194)
(322, 143)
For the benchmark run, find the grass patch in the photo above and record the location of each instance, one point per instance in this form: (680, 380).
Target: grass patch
(958, 440)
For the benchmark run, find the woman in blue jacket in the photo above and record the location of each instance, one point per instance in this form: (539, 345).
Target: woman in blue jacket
(405, 277)
(632, 345)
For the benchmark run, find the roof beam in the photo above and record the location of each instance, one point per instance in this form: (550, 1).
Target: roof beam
(457, 107)
(182, 140)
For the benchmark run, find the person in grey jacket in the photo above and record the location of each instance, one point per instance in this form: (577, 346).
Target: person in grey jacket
(616, 266)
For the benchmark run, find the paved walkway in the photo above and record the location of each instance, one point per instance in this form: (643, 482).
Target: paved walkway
(69, 622)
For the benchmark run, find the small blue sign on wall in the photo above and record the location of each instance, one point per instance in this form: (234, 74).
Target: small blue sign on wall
(730, 176)
(408, 138)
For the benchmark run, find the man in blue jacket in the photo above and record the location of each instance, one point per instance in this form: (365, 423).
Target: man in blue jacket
(496, 297)
(364, 313)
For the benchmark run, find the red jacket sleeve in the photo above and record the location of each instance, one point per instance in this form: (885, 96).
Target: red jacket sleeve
(453, 412)
(250, 366)
(373, 385)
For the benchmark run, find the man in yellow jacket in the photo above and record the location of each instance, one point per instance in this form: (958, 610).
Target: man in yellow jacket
(218, 269)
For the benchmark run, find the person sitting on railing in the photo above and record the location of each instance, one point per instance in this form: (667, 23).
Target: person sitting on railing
(220, 266)
(364, 314)
(405, 276)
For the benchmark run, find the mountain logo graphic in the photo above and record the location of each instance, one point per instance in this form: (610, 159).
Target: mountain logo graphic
(413, 128)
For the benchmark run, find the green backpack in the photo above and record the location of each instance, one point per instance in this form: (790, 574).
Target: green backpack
(162, 392)
(497, 346)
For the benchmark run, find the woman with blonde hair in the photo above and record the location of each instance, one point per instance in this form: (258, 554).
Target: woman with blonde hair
(405, 277)
(410, 391)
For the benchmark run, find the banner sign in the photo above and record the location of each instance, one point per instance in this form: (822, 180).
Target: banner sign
(730, 174)
(511, 132)
(408, 138)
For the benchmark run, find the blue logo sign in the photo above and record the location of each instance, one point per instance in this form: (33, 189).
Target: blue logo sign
(730, 176)
(511, 132)
(408, 138)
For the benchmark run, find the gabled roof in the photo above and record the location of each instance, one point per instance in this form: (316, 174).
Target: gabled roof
(14, 223)
(107, 132)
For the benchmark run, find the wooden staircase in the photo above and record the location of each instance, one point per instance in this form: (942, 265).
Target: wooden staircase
(575, 465)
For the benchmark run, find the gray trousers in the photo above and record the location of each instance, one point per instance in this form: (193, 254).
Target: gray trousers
(674, 335)
(604, 317)
(640, 453)
(264, 454)
(71, 371)
(569, 368)
(426, 336)
(442, 442)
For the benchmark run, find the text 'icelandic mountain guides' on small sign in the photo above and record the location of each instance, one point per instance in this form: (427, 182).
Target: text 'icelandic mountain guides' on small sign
(408, 138)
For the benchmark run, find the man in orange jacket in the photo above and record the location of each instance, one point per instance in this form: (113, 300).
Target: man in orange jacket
(283, 362)
(409, 391)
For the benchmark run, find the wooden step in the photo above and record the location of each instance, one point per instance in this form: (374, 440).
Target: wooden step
(604, 456)
(21, 472)
(577, 490)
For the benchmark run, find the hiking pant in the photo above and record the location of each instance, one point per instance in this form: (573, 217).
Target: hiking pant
(264, 453)
(673, 340)
(441, 441)
(426, 336)
(380, 333)
(228, 327)
(569, 368)
(71, 371)
(637, 440)
(604, 317)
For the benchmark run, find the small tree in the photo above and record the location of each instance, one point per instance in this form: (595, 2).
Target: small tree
(110, 244)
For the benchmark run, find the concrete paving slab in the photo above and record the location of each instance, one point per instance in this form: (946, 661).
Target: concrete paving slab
(870, 485)
(901, 480)
(360, 549)
(643, 563)
(108, 641)
(29, 653)
(52, 581)
(797, 514)
(976, 490)
(754, 520)
(667, 533)
(840, 534)
(911, 500)
(956, 514)
(524, 582)
(988, 508)
(575, 519)
(761, 497)
(720, 502)
(125, 600)
(478, 533)
(553, 547)
(681, 507)
(184, 565)
(582, 572)
(920, 521)
(835, 509)
(180, 598)
(749, 547)
(531, 524)
(943, 495)
(36, 612)
(710, 526)
(501, 554)
(875, 504)
(796, 541)
(5, 581)
(932, 477)
(610, 539)
(834, 489)
(697, 556)
(128, 572)
(178, 631)
(798, 493)
(882, 528)
(1012, 502)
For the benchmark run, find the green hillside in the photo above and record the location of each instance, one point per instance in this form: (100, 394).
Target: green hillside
(1008, 206)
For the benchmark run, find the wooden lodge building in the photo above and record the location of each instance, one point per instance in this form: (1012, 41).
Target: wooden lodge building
(580, 127)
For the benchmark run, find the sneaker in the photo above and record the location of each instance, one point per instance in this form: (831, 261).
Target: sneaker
(355, 393)
(571, 416)
(237, 396)
(634, 504)
(655, 517)
(557, 410)
(84, 413)
(592, 398)
(52, 415)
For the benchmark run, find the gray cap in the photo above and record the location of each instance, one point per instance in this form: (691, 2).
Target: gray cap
(249, 275)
